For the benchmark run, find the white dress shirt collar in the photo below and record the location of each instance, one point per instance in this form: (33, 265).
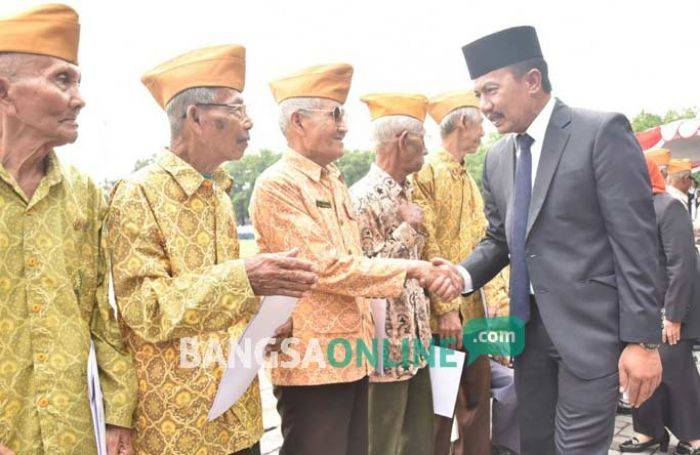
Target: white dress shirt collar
(538, 127)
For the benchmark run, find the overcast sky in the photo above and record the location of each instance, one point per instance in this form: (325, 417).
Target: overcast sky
(607, 55)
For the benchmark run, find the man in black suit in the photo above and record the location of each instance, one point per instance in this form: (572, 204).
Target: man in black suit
(569, 206)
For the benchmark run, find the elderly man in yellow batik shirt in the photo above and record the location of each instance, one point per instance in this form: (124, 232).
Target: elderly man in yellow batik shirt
(53, 282)
(302, 201)
(180, 287)
(391, 226)
(455, 223)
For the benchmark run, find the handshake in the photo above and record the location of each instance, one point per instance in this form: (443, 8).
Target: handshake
(440, 277)
(288, 274)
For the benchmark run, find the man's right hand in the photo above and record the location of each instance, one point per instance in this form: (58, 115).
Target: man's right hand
(280, 274)
(411, 214)
(450, 327)
(5, 450)
(640, 373)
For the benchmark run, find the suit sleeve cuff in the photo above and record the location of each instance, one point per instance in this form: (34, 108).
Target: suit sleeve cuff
(468, 286)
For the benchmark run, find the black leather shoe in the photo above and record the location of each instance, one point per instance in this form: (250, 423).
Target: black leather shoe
(683, 448)
(634, 446)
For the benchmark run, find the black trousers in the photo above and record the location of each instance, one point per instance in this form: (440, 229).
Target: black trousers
(330, 419)
(558, 412)
(676, 403)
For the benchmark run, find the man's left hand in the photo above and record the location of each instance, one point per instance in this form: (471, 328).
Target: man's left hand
(119, 441)
(671, 332)
(640, 373)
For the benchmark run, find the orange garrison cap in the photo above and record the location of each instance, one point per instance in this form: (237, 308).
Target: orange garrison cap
(215, 66)
(321, 81)
(385, 104)
(51, 29)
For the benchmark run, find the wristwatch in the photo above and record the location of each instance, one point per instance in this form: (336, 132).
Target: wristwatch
(650, 346)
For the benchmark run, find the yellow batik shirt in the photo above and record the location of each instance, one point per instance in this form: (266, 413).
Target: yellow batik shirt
(53, 301)
(455, 221)
(298, 204)
(377, 197)
(183, 294)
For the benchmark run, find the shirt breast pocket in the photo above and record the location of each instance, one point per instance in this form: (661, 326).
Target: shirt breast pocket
(349, 210)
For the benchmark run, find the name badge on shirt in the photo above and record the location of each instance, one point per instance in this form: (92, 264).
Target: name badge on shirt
(323, 204)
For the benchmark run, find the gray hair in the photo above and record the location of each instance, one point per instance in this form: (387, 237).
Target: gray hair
(177, 106)
(449, 123)
(384, 129)
(12, 63)
(292, 105)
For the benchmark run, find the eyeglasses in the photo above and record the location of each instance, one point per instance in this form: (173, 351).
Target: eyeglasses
(337, 113)
(238, 109)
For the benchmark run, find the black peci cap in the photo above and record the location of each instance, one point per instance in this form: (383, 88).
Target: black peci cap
(501, 49)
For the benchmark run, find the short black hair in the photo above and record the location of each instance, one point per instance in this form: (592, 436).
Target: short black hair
(538, 63)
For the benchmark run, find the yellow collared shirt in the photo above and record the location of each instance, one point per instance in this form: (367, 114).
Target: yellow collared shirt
(53, 300)
(177, 279)
(455, 221)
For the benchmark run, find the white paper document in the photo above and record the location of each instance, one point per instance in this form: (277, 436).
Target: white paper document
(444, 380)
(274, 311)
(379, 316)
(96, 404)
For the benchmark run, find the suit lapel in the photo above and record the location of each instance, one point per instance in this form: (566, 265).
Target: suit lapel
(555, 140)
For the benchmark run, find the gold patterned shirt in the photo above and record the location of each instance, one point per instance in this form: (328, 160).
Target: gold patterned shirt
(455, 221)
(298, 204)
(178, 282)
(53, 301)
(377, 197)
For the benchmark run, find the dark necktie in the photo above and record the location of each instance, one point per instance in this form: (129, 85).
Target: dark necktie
(519, 276)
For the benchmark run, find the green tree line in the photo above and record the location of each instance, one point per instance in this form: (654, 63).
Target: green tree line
(355, 163)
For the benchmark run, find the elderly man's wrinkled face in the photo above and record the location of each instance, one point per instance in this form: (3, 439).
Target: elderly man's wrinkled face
(44, 98)
(324, 130)
(225, 126)
(506, 100)
(412, 151)
(471, 134)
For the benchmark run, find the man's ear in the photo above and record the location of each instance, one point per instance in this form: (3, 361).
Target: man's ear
(194, 117)
(296, 122)
(534, 80)
(403, 140)
(464, 121)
